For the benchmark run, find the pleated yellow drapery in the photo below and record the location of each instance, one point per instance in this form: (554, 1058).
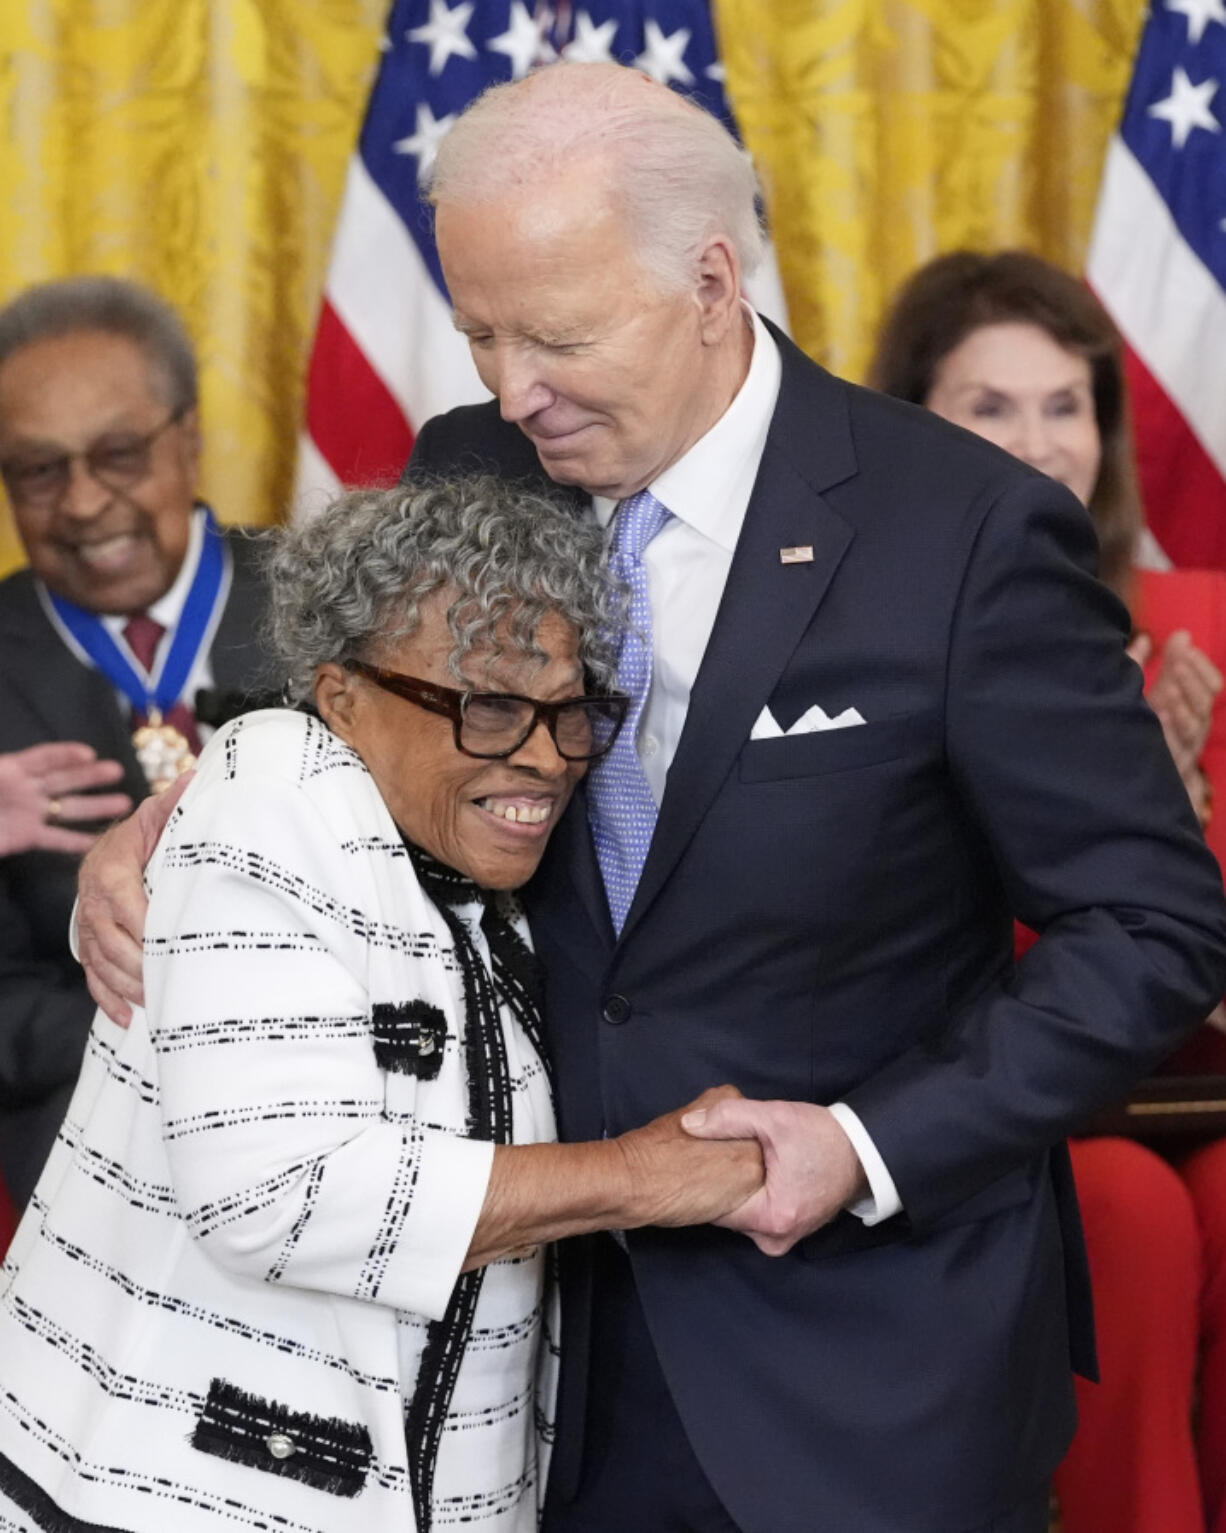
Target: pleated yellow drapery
(199, 146)
(886, 131)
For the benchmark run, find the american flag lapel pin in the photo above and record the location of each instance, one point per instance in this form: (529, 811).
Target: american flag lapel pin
(801, 554)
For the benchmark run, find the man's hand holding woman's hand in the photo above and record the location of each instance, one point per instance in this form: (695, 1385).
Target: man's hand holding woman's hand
(774, 1170)
(812, 1170)
(680, 1179)
(657, 1174)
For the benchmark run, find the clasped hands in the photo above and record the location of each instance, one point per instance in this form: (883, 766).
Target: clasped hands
(812, 1172)
(809, 1169)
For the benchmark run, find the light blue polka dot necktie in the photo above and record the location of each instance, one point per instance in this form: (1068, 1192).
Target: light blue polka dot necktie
(621, 810)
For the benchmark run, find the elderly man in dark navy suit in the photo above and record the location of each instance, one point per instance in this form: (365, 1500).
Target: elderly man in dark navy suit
(134, 601)
(881, 708)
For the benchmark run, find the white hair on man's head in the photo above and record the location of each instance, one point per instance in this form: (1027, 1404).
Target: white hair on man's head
(673, 169)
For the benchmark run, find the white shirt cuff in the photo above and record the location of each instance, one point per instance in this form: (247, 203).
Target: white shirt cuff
(883, 1201)
(74, 932)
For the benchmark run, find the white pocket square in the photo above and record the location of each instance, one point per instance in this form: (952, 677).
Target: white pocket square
(808, 723)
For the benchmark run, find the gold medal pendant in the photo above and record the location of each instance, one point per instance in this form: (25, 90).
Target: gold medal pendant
(162, 750)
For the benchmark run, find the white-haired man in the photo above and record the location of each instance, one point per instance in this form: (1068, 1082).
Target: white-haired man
(880, 709)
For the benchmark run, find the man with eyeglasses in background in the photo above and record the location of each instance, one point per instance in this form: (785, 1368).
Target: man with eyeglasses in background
(135, 627)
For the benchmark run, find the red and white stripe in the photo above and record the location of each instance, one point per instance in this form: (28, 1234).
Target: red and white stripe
(386, 355)
(1172, 314)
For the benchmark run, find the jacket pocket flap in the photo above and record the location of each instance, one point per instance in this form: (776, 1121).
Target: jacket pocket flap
(330, 1454)
(1005, 1192)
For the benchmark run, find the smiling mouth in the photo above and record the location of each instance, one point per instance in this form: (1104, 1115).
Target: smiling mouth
(104, 555)
(517, 812)
(545, 440)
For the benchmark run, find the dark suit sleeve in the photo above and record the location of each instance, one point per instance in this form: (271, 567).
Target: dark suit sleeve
(449, 444)
(45, 1008)
(421, 459)
(474, 439)
(1061, 769)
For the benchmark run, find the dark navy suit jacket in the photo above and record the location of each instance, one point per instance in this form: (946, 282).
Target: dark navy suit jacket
(829, 916)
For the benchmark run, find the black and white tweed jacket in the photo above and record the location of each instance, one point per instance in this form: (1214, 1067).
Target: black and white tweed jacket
(215, 1311)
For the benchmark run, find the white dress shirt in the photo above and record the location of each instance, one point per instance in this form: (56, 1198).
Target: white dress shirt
(707, 491)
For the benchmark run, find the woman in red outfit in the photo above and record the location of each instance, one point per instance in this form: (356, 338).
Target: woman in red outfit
(1023, 354)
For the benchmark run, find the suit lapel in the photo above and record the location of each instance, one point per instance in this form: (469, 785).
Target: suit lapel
(572, 862)
(766, 605)
(236, 657)
(72, 700)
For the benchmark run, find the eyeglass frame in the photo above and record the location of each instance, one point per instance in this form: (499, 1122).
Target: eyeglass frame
(63, 463)
(451, 703)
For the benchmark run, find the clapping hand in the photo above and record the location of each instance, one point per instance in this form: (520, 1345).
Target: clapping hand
(46, 787)
(1182, 694)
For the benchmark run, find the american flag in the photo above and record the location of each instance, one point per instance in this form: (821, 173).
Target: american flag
(1158, 262)
(385, 355)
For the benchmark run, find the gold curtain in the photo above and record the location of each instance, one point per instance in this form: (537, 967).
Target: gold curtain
(887, 131)
(199, 146)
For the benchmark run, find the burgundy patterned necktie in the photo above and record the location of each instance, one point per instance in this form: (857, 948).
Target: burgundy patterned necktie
(142, 634)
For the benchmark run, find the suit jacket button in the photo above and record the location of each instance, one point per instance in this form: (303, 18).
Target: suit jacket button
(617, 1010)
(280, 1446)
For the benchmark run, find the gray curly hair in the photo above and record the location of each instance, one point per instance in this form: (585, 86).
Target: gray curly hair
(353, 579)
